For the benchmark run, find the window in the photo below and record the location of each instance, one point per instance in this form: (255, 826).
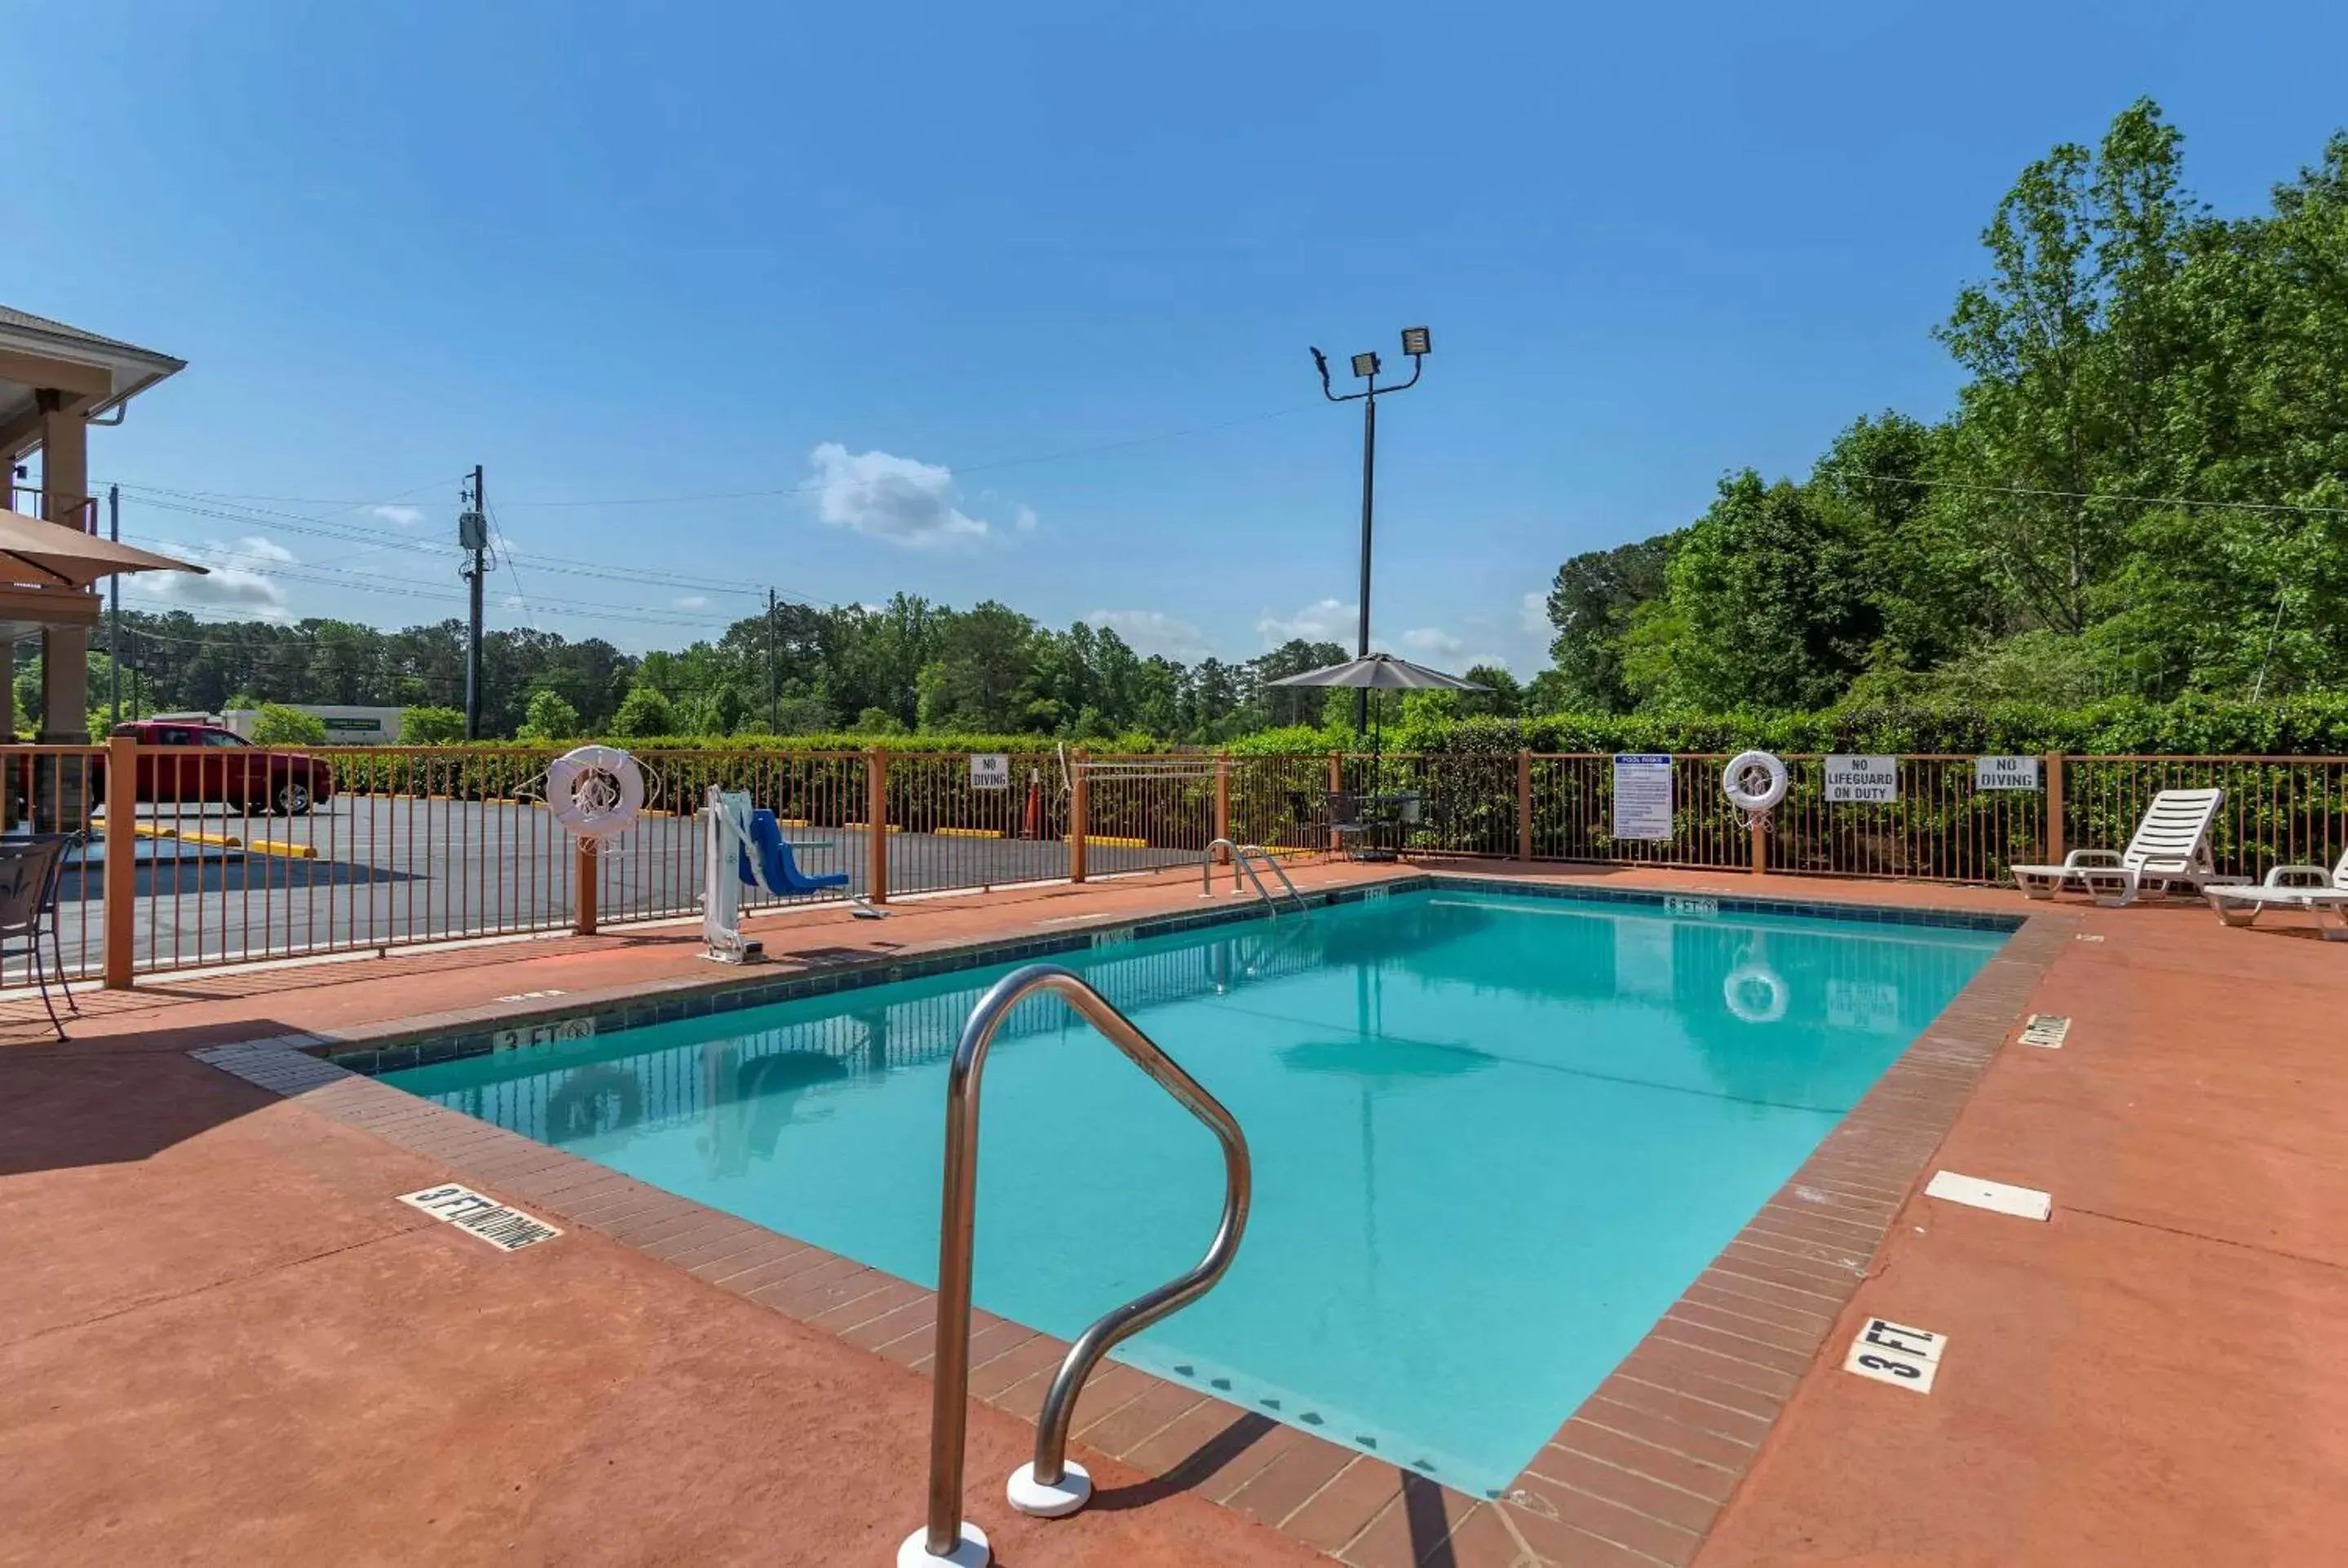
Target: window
(223, 738)
(173, 735)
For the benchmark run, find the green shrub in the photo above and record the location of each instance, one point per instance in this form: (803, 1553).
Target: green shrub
(279, 725)
(643, 714)
(551, 718)
(431, 726)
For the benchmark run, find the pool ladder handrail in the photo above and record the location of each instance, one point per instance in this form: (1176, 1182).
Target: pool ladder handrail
(1240, 861)
(1051, 1486)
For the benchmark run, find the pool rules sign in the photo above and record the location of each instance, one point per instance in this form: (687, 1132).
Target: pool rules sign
(1642, 796)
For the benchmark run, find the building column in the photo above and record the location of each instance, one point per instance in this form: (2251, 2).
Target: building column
(61, 790)
(65, 490)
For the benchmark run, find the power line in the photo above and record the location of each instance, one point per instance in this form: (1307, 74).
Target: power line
(2103, 496)
(995, 466)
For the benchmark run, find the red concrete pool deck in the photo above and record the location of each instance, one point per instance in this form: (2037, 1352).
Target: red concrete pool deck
(222, 1341)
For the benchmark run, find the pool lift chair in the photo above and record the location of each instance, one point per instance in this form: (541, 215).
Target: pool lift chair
(746, 848)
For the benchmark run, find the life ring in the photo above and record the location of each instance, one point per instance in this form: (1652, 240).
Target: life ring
(595, 791)
(575, 1111)
(1735, 991)
(1732, 781)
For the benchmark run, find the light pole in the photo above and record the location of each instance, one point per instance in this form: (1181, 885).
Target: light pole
(1416, 343)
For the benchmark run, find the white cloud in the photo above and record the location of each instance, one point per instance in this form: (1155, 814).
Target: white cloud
(232, 583)
(1324, 619)
(1024, 519)
(1148, 631)
(1532, 613)
(898, 500)
(405, 516)
(1433, 642)
(691, 601)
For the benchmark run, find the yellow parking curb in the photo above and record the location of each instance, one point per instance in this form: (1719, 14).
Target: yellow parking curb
(1097, 842)
(149, 830)
(867, 827)
(969, 832)
(218, 840)
(289, 850)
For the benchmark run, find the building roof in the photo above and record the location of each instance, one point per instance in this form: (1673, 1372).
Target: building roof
(15, 320)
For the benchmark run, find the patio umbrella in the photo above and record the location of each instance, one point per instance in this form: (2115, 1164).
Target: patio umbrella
(51, 555)
(1379, 673)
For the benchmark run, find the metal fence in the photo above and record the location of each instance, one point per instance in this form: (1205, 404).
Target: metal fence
(231, 853)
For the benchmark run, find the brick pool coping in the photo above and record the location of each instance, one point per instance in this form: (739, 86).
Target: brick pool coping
(1637, 1474)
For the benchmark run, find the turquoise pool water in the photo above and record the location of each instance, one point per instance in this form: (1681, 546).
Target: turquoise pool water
(1494, 1137)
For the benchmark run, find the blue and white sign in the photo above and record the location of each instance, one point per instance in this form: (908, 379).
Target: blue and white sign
(1642, 795)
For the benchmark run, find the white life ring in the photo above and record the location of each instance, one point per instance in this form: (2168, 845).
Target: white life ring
(1732, 780)
(1738, 989)
(595, 791)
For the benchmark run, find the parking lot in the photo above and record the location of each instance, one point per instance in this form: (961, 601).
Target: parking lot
(365, 872)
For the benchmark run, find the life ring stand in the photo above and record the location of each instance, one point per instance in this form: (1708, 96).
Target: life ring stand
(595, 791)
(1735, 781)
(1736, 992)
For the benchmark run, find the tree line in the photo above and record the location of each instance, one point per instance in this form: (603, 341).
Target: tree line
(907, 667)
(2142, 491)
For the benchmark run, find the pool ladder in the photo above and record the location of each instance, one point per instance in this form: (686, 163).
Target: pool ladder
(1050, 1485)
(1243, 859)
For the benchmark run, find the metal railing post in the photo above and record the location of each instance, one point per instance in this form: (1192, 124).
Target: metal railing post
(121, 875)
(1525, 804)
(1222, 823)
(2054, 807)
(1337, 788)
(1049, 1486)
(876, 825)
(1079, 815)
(586, 885)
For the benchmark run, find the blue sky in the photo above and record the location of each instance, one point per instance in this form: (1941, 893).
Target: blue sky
(1014, 302)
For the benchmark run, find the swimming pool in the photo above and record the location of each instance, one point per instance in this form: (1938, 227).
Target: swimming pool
(1495, 1136)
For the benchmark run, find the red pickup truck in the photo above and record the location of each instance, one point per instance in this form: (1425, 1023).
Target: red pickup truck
(224, 768)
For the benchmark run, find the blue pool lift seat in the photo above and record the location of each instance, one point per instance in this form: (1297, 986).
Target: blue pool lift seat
(776, 871)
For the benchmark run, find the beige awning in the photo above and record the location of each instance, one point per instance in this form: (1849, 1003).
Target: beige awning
(51, 555)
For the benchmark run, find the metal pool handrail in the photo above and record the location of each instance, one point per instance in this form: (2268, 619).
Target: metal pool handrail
(1240, 854)
(950, 1364)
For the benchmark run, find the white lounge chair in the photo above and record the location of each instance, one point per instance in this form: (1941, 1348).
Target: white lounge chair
(2172, 847)
(2308, 887)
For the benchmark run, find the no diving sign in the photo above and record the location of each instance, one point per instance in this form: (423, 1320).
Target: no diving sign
(990, 770)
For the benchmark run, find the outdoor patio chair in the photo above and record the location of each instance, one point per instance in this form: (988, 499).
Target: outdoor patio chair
(1348, 821)
(2308, 887)
(2171, 849)
(30, 872)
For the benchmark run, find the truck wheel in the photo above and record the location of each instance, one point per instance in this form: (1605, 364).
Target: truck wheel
(294, 797)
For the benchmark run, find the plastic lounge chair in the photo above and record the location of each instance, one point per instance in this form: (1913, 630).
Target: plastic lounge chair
(2171, 847)
(2308, 887)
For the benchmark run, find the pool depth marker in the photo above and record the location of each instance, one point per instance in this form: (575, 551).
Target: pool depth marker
(2046, 1029)
(1894, 1353)
(505, 1228)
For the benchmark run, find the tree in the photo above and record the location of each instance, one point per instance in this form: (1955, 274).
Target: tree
(551, 717)
(1505, 700)
(1591, 604)
(644, 714)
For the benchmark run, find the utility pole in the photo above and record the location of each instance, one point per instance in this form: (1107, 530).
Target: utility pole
(774, 668)
(473, 535)
(1416, 343)
(114, 609)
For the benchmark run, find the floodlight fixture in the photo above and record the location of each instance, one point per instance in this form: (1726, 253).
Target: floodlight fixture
(1414, 342)
(1365, 366)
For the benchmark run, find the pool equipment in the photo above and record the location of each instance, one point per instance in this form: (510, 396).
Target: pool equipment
(595, 791)
(1754, 781)
(746, 848)
(1050, 1485)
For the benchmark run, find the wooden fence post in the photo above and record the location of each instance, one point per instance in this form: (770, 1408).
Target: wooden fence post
(2054, 807)
(1337, 788)
(1079, 811)
(1525, 805)
(587, 886)
(1760, 849)
(1222, 798)
(876, 825)
(121, 875)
